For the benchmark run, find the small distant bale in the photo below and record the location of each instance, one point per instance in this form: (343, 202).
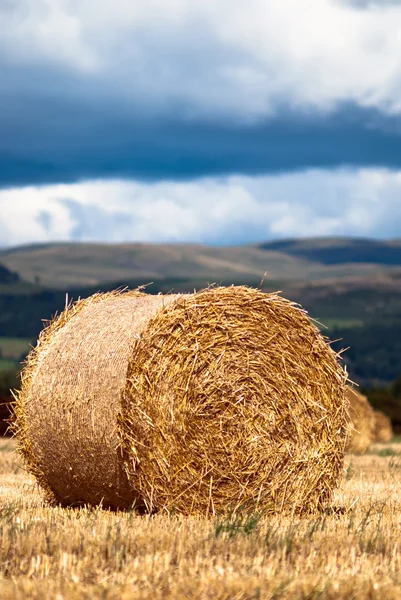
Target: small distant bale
(204, 403)
(383, 430)
(4, 415)
(361, 424)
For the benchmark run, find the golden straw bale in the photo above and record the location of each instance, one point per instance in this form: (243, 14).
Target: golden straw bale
(199, 404)
(361, 425)
(383, 430)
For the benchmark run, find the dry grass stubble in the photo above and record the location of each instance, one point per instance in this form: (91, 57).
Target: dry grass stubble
(70, 554)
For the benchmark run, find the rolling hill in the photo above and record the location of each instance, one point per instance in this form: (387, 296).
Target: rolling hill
(359, 302)
(7, 276)
(64, 266)
(336, 251)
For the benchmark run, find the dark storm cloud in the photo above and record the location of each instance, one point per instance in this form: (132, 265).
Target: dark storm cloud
(50, 140)
(88, 91)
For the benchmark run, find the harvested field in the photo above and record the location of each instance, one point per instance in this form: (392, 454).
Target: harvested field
(223, 400)
(350, 552)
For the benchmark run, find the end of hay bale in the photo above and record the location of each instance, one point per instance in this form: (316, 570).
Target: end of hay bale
(383, 430)
(361, 423)
(234, 400)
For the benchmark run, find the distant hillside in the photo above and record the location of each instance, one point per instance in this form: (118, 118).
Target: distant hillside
(67, 266)
(359, 302)
(7, 276)
(335, 251)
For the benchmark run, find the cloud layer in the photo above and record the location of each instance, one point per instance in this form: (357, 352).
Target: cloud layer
(213, 59)
(157, 89)
(230, 210)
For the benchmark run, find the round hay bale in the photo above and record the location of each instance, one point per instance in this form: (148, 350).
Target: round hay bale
(198, 404)
(361, 425)
(383, 430)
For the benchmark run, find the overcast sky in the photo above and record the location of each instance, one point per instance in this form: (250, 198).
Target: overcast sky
(212, 121)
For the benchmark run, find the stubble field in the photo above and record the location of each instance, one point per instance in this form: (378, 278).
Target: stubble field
(352, 551)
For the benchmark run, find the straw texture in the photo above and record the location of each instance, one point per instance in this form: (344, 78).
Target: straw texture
(361, 425)
(198, 404)
(383, 430)
(234, 400)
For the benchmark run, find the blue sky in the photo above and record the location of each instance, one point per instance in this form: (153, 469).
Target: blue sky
(197, 120)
